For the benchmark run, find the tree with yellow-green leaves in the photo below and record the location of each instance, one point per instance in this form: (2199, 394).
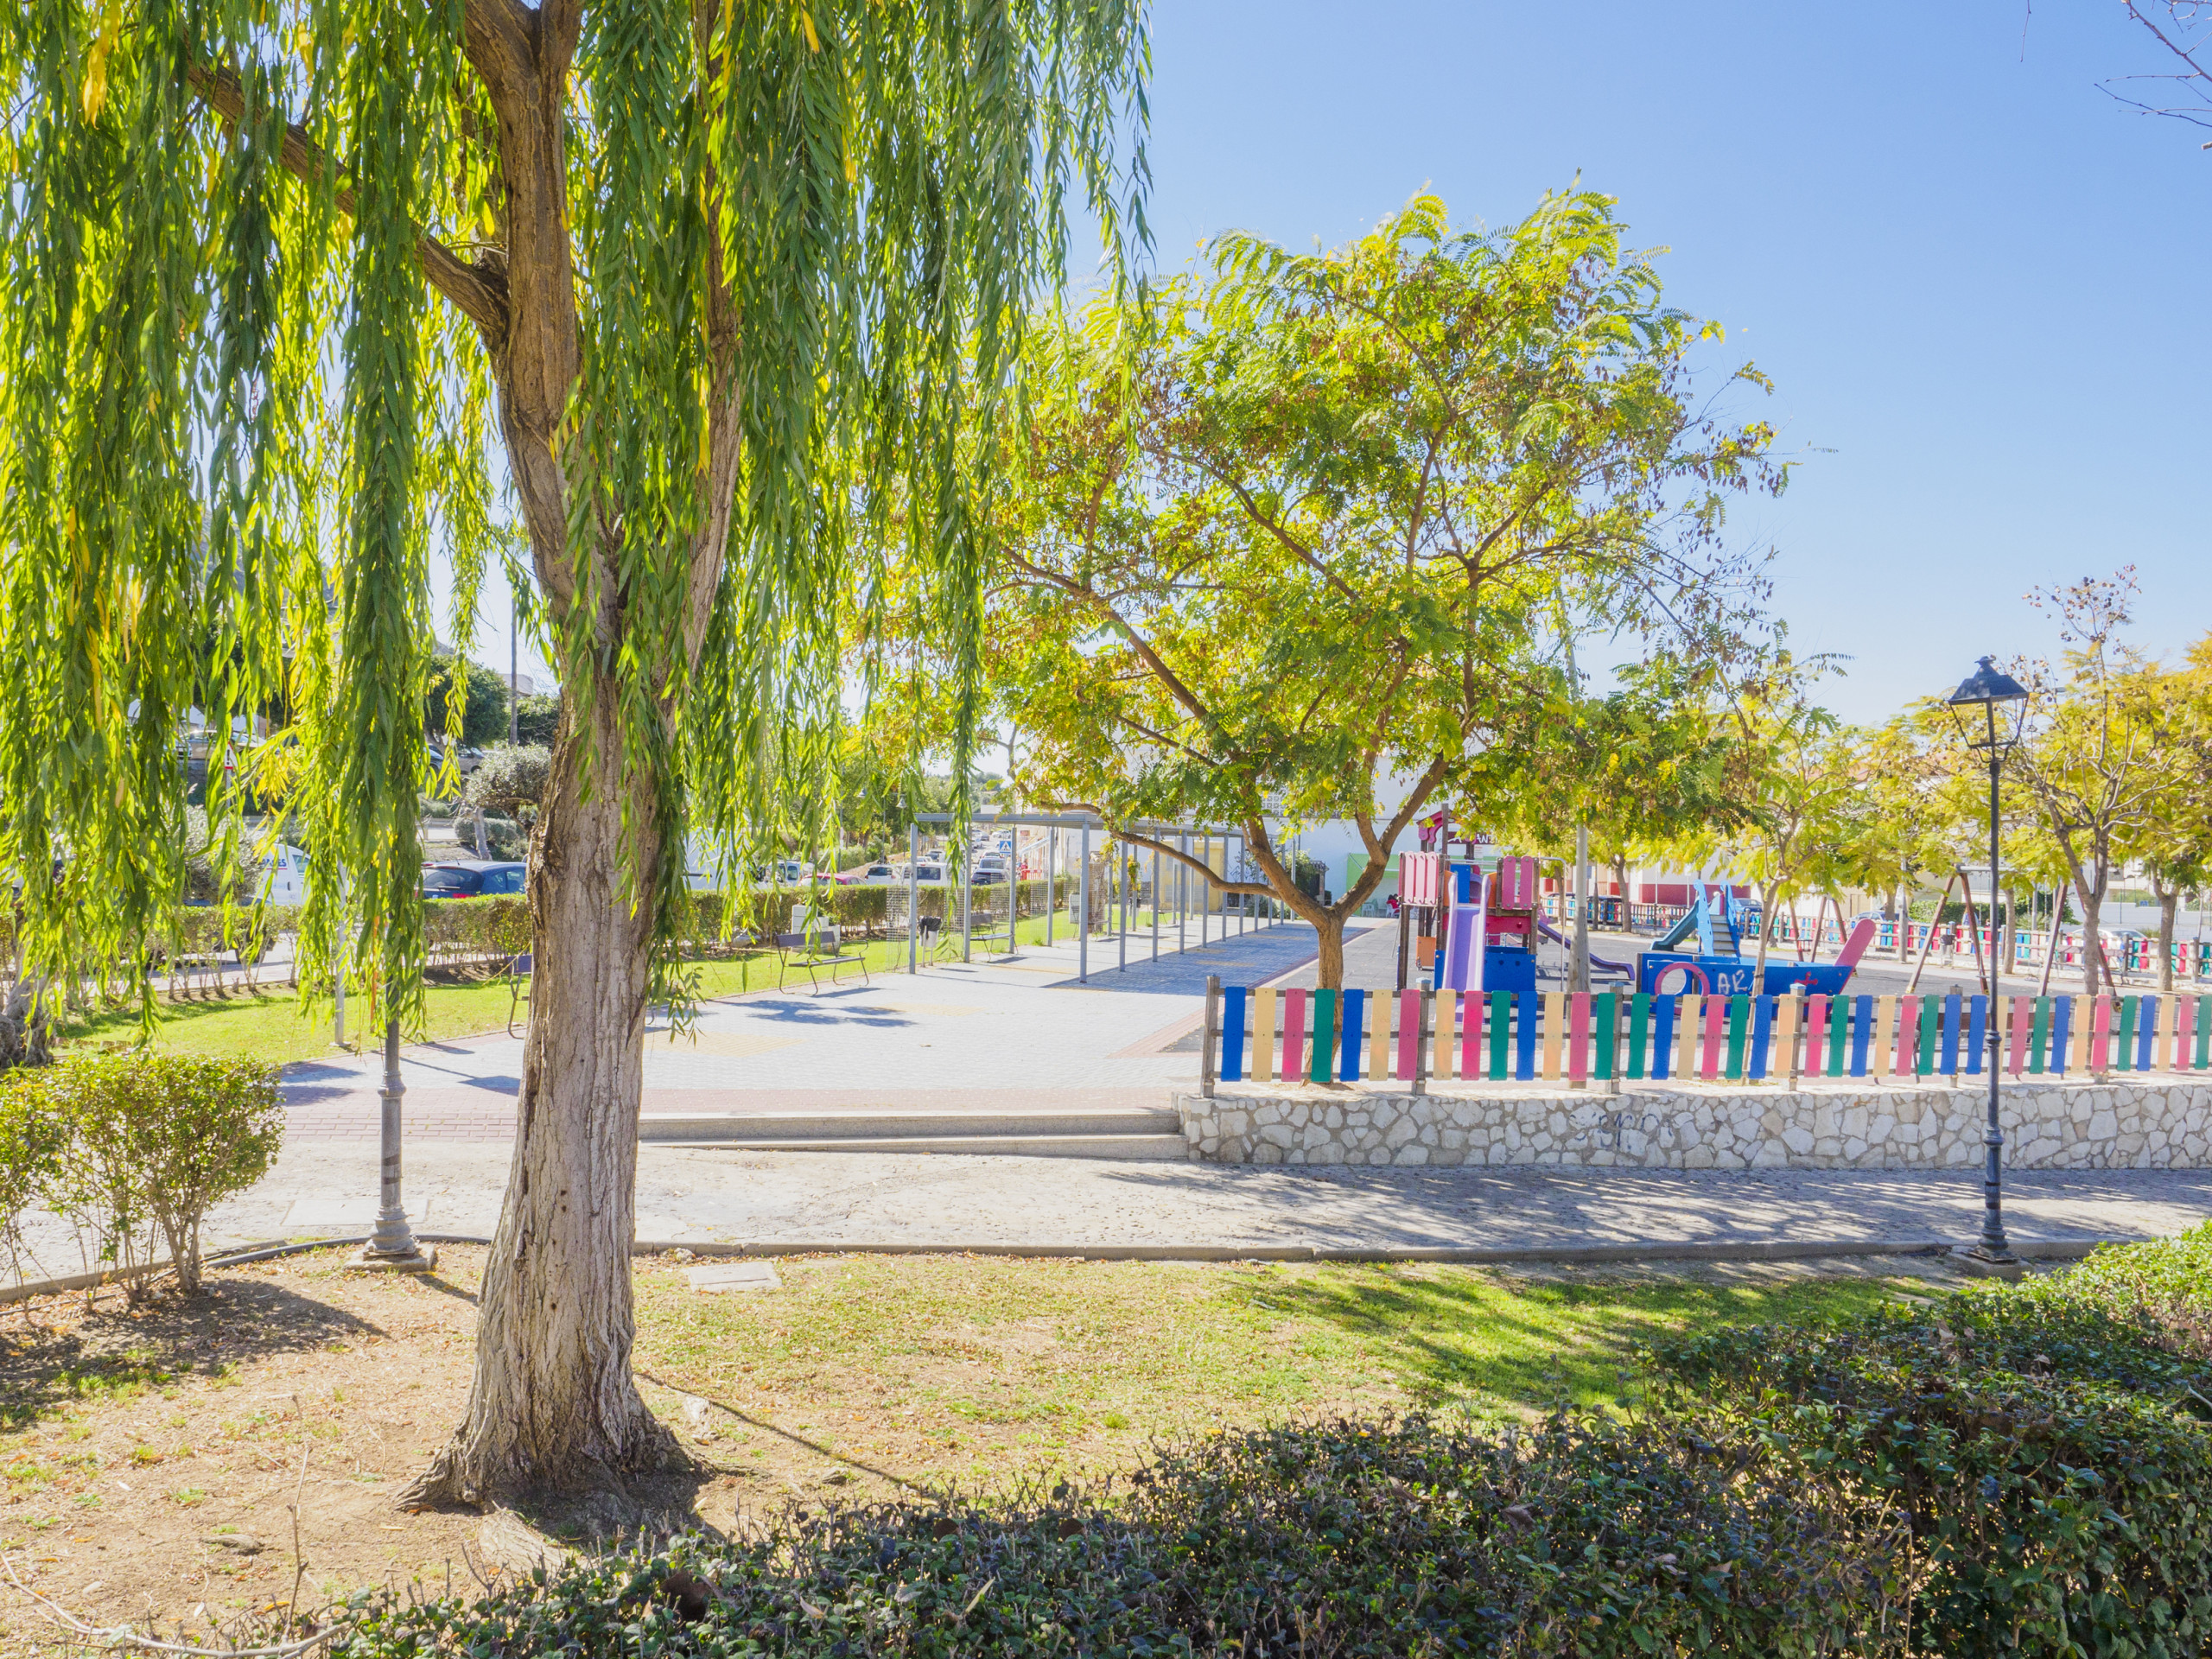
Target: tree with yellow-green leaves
(2095, 770)
(1292, 538)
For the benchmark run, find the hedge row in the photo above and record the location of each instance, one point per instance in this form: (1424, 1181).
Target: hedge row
(2021, 1471)
(499, 926)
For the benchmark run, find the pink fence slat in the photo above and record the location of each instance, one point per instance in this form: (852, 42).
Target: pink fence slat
(1294, 1035)
(1472, 1007)
(2022, 1024)
(1408, 1032)
(1578, 1037)
(1906, 1063)
(1716, 1032)
(2184, 1032)
(2100, 1033)
(1816, 1025)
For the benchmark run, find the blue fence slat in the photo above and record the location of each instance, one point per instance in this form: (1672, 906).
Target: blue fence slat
(1349, 1049)
(1662, 1036)
(1524, 1034)
(1950, 1064)
(1232, 1034)
(1762, 1033)
(2062, 1025)
(2146, 1035)
(1862, 1032)
(1977, 1035)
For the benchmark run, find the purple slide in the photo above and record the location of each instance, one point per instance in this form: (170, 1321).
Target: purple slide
(1596, 960)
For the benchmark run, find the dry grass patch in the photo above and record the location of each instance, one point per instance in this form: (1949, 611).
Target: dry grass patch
(152, 1460)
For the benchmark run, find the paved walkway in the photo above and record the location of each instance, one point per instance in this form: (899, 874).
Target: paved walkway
(826, 1200)
(992, 1032)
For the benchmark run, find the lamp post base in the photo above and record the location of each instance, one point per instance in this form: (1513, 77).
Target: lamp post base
(1978, 1261)
(422, 1259)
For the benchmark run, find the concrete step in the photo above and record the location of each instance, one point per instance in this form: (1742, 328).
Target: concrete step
(766, 1128)
(1150, 1149)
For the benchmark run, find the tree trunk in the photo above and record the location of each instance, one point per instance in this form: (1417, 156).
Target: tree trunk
(1766, 926)
(552, 1407)
(2093, 941)
(1329, 927)
(2169, 902)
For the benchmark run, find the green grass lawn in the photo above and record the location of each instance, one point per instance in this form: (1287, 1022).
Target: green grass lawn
(269, 1024)
(948, 1369)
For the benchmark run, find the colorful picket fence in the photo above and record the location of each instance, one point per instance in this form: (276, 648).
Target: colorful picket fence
(1323, 1036)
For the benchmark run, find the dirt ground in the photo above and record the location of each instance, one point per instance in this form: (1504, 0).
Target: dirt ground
(228, 1463)
(218, 1460)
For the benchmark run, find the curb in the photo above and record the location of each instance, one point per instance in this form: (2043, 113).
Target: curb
(2047, 1249)
(2028, 1249)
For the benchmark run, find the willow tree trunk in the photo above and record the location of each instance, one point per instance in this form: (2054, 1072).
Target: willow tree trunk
(553, 1408)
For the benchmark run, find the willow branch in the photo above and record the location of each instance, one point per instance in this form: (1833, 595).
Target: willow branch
(478, 293)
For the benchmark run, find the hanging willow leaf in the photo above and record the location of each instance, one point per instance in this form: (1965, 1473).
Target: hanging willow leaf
(739, 287)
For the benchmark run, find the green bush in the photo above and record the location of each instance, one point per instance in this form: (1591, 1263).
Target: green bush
(1588, 1536)
(30, 1140)
(209, 930)
(134, 1142)
(491, 929)
(2051, 1453)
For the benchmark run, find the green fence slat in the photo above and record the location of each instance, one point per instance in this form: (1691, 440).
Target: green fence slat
(1501, 1035)
(1639, 1031)
(1604, 1018)
(1324, 1035)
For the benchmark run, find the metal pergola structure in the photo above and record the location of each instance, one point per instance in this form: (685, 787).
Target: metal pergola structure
(1082, 823)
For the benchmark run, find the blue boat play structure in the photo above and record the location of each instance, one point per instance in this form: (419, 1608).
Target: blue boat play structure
(1719, 966)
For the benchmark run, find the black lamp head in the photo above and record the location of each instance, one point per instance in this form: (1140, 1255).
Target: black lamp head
(1988, 683)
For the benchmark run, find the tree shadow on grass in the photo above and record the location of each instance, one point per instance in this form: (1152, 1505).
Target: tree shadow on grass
(71, 1353)
(1465, 1338)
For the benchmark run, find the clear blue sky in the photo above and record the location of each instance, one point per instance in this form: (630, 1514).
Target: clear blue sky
(1977, 281)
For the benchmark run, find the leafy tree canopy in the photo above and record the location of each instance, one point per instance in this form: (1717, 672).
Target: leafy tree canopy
(1291, 538)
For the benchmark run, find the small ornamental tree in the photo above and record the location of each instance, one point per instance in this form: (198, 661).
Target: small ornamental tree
(2099, 745)
(1289, 540)
(282, 276)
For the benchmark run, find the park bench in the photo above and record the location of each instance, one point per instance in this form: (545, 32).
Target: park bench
(817, 953)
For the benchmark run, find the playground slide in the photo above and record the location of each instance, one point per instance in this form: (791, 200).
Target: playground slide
(1596, 960)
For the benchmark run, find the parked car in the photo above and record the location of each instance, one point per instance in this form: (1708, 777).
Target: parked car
(471, 878)
(876, 873)
(990, 869)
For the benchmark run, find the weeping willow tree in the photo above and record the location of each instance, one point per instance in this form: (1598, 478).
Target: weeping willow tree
(300, 295)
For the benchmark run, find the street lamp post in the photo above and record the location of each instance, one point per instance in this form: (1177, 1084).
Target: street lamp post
(1984, 688)
(394, 1248)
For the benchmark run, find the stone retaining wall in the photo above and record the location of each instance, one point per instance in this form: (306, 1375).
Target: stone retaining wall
(2158, 1123)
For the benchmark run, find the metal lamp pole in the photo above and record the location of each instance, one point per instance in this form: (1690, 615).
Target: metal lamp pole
(393, 1248)
(1986, 688)
(1993, 1243)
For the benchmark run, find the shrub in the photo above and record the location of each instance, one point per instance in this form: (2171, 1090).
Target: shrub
(2054, 1461)
(208, 930)
(1589, 1537)
(30, 1138)
(511, 779)
(139, 1141)
(493, 928)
